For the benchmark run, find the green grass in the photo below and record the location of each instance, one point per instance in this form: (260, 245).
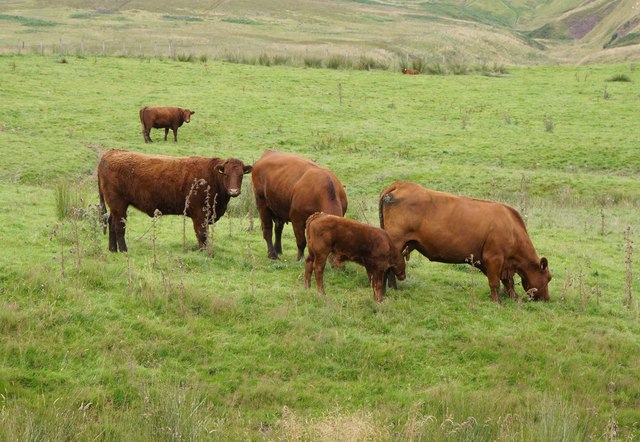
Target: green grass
(97, 345)
(27, 21)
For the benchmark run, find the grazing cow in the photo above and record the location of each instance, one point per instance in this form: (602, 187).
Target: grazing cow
(163, 117)
(455, 229)
(289, 187)
(350, 240)
(158, 182)
(410, 71)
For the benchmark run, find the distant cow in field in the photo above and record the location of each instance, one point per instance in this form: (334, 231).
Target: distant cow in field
(455, 229)
(350, 240)
(289, 187)
(410, 71)
(163, 117)
(158, 182)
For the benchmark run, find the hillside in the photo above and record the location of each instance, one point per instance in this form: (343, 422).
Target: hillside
(486, 31)
(168, 343)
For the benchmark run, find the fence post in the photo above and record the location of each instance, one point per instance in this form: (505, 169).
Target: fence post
(170, 49)
(41, 48)
(104, 47)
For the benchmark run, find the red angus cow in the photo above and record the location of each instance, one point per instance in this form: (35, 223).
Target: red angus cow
(450, 229)
(163, 117)
(410, 71)
(289, 187)
(158, 182)
(350, 240)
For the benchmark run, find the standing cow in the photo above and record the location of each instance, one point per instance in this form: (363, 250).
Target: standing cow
(163, 117)
(350, 240)
(158, 182)
(455, 229)
(289, 187)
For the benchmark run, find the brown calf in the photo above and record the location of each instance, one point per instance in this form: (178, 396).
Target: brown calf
(456, 229)
(351, 240)
(163, 117)
(158, 182)
(289, 187)
(410, 71)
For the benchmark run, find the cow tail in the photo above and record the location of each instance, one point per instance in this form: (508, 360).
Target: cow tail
(142, 118)
(385, 198)
(102, 208)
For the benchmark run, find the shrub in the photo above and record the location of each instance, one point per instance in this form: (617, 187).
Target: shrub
(434, 69)
(548, 123)
(619, 77)
(339, 62)
(190, 58)
(313, 62)
(264, 60)
(65, 200)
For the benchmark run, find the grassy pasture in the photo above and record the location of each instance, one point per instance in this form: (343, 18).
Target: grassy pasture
(168, 344)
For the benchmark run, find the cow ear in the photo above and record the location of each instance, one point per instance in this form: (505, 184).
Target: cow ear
(192, 112)
(248, 169)
(220, 168)
(544, 264)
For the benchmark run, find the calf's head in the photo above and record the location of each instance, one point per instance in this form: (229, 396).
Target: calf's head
(535, 280)
(186, 115)
(232, 171)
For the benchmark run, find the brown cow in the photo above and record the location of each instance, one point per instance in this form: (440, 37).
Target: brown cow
(163, 117)
(350, 240)
(452, 229)
(158, 182)
(289, 187)
(410, 71)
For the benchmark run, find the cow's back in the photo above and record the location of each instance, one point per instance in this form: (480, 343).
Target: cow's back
(160, 116)
(449, 228)
(276, 178)
(150, 182)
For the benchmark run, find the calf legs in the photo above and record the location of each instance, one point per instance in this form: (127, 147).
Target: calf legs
(315, 263)
(378, 283)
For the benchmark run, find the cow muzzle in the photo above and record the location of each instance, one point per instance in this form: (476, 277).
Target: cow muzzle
(234, 192)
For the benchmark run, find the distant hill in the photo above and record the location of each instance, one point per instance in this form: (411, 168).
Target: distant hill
(481, 31)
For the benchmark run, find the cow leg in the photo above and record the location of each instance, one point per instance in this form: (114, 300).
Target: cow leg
(493, 275)
(391, 278)
(166, 132)
(119, 224)
(266, 219)
(308, 270)
(509, 287)
(200, 227)
(301, 240)
(175, 134)
(279, 227)
(378, 284)
(113, 244)
(318, 267)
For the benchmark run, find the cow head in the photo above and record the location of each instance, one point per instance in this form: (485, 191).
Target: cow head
(535, 280)
(232, 171)
(186, 115)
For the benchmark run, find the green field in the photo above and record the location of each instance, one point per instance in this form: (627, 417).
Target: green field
(168, 343)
